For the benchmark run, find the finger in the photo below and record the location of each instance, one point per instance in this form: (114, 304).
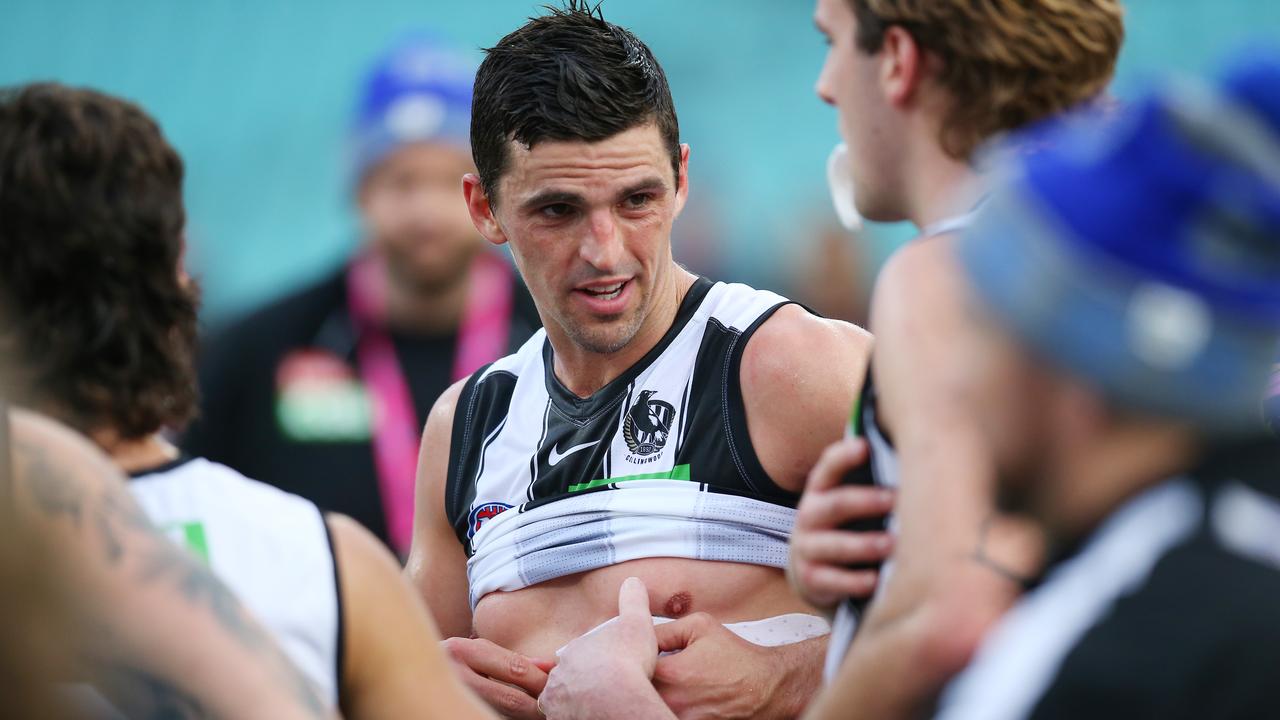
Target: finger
(509, 701)
(837, 506)
(831, 581)
(633, 601)
(836, 547)
(546, 665)
(680, 634)
(835, 461)
(499, 663)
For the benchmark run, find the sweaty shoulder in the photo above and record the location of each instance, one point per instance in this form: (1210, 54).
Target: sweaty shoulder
(800, 377)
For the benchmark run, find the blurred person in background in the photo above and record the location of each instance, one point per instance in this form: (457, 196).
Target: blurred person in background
(1120, 317)
(1125, 318)
(918, 87)
(324, 393)
(99, 331)
(832, 277)
(661, 425)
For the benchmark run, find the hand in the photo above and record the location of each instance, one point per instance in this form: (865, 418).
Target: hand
(606, 673)
(821, 553)
(507, 681)
(715, 673)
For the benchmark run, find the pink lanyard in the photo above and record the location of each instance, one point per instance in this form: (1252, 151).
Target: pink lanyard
(482, 338)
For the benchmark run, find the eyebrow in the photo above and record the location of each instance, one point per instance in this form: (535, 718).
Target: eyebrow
(649, 184)
(553, 197)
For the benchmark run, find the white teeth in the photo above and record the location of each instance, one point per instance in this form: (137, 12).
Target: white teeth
(607, 293)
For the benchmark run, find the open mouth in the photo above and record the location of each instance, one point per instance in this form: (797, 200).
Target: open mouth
(605, 292)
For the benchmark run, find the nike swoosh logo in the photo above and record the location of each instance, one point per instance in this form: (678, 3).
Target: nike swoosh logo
(556, 456)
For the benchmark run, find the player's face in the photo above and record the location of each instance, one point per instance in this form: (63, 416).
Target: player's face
(412, 214)
(850, 81)
(590, 229)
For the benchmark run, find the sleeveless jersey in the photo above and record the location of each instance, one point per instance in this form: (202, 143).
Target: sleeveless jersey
(271, 548)
(658, 463)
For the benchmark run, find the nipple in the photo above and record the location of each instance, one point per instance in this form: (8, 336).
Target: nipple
(678, 604)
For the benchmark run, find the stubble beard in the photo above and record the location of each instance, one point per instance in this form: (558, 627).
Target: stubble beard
(606, 339)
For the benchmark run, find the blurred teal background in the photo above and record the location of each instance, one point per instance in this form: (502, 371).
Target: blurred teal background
(256, 96)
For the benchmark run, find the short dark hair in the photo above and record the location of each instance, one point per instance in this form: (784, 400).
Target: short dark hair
(97, 324)
(568, 75)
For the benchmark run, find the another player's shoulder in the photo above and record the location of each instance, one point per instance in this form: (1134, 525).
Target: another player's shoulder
(918, 275)
(216, 487)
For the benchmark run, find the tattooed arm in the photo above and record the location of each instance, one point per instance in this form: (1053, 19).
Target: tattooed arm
(165, 638)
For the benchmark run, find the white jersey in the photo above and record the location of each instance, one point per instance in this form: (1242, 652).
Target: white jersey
(270, 547)
(658, 463)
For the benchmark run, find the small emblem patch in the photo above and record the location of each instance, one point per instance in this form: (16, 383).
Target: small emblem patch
(482, 514)
(648, 424)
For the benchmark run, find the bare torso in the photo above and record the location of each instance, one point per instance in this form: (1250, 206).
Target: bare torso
(536, 621)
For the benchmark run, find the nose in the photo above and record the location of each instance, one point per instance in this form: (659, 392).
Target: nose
(602, 246)
(823, 86)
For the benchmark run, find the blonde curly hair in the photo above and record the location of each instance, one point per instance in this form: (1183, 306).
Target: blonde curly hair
(1005, 63)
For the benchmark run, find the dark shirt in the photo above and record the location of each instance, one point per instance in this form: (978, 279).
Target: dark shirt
(282, 400)
(1193, 632)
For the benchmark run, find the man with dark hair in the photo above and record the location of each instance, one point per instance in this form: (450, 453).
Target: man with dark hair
(323, 393)
(662, 424)
(98, 328)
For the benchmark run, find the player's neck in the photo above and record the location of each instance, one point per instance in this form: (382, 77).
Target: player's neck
(942, 187)
(426, 310)
(137, 455)
(583, 372)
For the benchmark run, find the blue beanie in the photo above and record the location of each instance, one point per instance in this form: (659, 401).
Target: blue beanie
(418, 91)
(1141, 250)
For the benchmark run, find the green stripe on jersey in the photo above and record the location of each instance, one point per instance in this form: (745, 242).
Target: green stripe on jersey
(679, 472)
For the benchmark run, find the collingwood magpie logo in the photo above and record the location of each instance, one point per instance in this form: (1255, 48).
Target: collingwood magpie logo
(648, 425)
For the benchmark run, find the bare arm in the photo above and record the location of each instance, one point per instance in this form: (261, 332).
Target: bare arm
(938, 603)
(161, 635)
(437, 568)
(801, 375)
(437, 565)
(393, 666)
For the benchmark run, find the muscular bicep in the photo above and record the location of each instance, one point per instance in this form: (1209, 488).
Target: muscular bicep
(800, 377)
(159, 631)
(393, 664)
(437, 565)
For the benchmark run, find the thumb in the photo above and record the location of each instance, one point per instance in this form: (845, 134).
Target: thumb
(678, 634)
(633, 601)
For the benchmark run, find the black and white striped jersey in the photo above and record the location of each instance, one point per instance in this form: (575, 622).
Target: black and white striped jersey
(1171, 609)
(521, 440)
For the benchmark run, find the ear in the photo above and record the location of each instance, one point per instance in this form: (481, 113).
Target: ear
(682, 184)
(481, 210)
(901, 65)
